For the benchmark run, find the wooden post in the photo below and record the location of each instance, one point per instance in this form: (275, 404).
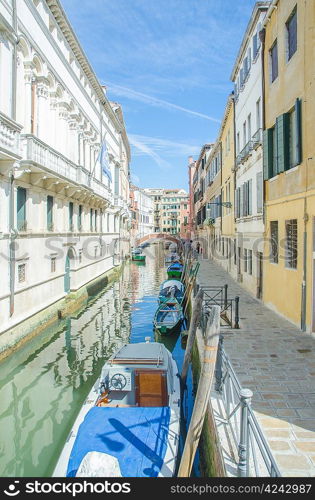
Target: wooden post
(203, 392)
(191, 335)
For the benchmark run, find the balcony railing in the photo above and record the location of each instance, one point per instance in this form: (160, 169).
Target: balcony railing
(244, 154)
(45, 156)
(9, 136)
(257, 138)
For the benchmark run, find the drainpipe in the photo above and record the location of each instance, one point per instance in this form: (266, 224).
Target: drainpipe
(12, 237)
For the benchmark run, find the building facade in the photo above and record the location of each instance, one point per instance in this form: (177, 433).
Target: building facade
(289, 273)
(200, 209)
(248, 84)
(225, 252)
(65, 207)
(143, 213)
(171, 210)
(191, 172)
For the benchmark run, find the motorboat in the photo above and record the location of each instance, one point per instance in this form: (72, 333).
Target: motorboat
(129, 424)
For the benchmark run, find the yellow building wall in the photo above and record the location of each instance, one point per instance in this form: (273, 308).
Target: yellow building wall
(228, 224)
(291, 195)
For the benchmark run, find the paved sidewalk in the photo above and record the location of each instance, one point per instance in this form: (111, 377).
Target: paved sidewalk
(276, 361)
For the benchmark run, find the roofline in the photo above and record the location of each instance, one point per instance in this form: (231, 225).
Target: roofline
(228, 105)
(66, 28)
(258, 7)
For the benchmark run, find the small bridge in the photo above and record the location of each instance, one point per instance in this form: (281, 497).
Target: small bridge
(158, 237)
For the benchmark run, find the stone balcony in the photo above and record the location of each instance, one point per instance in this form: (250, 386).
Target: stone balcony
(44, 157)
(9, 138)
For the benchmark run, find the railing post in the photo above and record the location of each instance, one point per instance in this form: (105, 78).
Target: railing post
(225, 296)
(218, 366)
(243, 447)
(237, 315)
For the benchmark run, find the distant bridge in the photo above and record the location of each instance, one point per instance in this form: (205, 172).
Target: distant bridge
(158, 237)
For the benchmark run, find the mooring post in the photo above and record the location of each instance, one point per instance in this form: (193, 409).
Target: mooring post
(218, 366)
(191, 335)
(243, 447)
(225, 296)
(237, 313)
(203, 392)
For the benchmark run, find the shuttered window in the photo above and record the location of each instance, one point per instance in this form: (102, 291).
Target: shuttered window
(250, 262)
(249, 197)
(259, 192)
(268, 153)
(50, 204)
(274, 242)
(291, 26)
(71, 216)
(91, 219)
(291, 250)
(80, 218)
(245, 260)
(21, 209)
(274, 61)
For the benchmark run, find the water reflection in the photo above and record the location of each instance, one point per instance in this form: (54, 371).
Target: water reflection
(44, 384)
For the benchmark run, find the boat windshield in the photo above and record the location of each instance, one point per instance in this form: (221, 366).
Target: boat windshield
(167, 317)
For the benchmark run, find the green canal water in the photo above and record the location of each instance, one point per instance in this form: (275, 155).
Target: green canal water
(43, 385)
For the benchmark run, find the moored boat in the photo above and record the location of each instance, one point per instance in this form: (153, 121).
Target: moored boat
(175, 270)
(168, 317)
(172, 288)
(130, 422)
(137, 255)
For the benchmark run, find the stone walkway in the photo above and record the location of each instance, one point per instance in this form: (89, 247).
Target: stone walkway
(276, 361)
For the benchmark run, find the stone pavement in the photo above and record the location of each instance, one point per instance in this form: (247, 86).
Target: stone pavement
(276, 361)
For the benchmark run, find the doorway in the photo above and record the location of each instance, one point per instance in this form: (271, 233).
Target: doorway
(259, 275)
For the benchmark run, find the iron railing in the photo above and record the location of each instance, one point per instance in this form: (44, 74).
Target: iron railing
(218, 295)
(255, 458)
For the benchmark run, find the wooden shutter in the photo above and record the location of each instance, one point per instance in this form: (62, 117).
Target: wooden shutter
(259, 193)
(282, 133)
(50, 204)
(241, 195)
(250, 182)
(298, 128)
(267, 153)
(21, 209)
(236, 204)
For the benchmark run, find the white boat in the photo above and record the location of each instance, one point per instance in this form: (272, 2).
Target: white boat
(129, 424)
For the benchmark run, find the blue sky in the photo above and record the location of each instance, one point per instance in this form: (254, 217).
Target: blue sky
(168, 62)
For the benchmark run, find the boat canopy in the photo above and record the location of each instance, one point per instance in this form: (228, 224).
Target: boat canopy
(175, 283)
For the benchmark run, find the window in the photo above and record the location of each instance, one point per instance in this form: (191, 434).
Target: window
(21, 209)
(71, 216)
(274, 61)
(21, 273)
(291, 26)
(238, 142)
(95, 220)
(80, 218)
(249, 126)
(250, 262)
(244, 134)
(255, 45)
(258, 119)
(53, 264)
(245, 260)
(291, 251)
(274, 243)
(259, 192)
(50, 205)
(80, 256)
(91, 219)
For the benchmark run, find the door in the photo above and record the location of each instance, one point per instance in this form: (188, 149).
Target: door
(151, 388)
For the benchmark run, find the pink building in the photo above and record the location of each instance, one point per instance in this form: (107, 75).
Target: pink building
(191, 215)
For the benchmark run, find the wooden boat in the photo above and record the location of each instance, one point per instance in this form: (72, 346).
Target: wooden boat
(171, 258)
(175, 270)
(129, 424)
(137, 255)
(168, 317)
(170, 289)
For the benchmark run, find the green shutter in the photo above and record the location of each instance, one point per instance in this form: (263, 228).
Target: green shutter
(50, 204)
(283, 142)
(298, 125)
(267, 153)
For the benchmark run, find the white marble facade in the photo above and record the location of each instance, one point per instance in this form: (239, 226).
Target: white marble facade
(63, 221)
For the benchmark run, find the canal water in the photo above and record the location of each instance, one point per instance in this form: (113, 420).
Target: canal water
(43, 384)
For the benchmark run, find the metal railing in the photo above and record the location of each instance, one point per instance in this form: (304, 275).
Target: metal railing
(257, 138)
(255, 458)
(218, 295)
(244, 154)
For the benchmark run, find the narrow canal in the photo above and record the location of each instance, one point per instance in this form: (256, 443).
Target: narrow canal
(43, 384)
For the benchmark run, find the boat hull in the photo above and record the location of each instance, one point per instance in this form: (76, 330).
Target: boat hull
(174, 274)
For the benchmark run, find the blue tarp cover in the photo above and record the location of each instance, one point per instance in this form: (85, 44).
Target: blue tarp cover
(136, 436)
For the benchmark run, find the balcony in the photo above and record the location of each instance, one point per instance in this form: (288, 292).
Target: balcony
(47, 158)
(245, 153)
(9, 138)
(257, 138)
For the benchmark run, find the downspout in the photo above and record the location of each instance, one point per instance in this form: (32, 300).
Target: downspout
(12, 237)
(305, 215)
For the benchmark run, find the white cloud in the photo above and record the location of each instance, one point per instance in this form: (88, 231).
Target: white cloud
(154, 101)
